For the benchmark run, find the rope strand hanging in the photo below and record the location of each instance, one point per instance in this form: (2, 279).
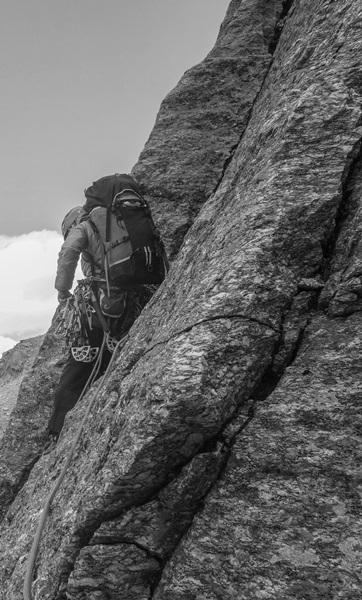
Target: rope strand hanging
(36, 542)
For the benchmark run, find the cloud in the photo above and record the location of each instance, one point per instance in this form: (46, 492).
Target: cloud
(28, 298)
(6, 344)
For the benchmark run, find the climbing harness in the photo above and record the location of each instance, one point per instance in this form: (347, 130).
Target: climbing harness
(36, 542)
(77, 321)
(85, 354)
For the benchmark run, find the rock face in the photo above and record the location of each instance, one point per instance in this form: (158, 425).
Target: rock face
(14, 365)
(25, 434)
(201, 121)
(221, 459)
(284, 520)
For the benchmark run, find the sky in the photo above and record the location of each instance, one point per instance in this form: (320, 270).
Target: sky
(81, 85)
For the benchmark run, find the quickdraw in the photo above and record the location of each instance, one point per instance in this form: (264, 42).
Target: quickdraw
(76, 322)
(71, 325)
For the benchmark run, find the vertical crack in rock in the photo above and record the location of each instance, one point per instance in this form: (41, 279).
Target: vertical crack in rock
(344, 209)
(337, 205)
(287, 5)
(280, 360)
(288, 501)
(225, 440)
(307, 299)
(213, 450)
(286, 8)
(155, 528)
(200, 122)
(219, 446)
(165, 418)
(296, 318)
(342, 269)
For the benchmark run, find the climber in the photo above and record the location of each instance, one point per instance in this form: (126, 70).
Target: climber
(123, 259)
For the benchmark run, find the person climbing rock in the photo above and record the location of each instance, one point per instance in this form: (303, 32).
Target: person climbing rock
(123, 260)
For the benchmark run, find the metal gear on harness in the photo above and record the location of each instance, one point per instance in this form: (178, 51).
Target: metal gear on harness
(76, 323)
(84, 354)
(111, 343)
(89, 311)
(82, 313)
(66, 316)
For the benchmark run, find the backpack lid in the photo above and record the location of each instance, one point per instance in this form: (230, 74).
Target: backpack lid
(71, 219)
(103, 191)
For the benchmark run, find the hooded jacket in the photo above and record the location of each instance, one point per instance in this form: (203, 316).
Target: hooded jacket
(86, 238)
(81, 240)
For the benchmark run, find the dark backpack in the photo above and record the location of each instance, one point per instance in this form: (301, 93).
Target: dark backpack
(133, 251)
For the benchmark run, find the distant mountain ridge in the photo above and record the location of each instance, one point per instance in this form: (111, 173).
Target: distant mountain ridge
(14, 365)
(6, 344)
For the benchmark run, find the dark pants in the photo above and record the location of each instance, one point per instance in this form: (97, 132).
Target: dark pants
(72, 381)
(75, 374)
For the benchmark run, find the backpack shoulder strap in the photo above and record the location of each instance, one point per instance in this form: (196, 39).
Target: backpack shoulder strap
(88, 256)
(108, 224)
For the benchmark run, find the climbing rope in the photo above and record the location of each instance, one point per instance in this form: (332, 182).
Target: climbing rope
(36, 542)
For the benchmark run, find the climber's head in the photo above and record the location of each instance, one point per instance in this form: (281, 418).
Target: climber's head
(71, 219)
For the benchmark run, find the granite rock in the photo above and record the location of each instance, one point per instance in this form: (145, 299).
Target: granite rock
(202, 119)
(31, 398)
(285, 518)
(234, 401)
(14, 365)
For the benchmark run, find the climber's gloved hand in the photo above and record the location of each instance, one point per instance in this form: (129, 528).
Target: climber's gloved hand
(63, 296)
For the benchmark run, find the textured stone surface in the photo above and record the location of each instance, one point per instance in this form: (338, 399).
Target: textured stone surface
(201, 121)
(25, 434)
(14, 364)
(232, 74)
(139, 571)
(285, 519)
(343, 292)
(214, 339)
(139, 432)
(145, 537)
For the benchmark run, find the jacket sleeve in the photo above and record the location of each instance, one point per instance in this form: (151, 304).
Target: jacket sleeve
(75, 243)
